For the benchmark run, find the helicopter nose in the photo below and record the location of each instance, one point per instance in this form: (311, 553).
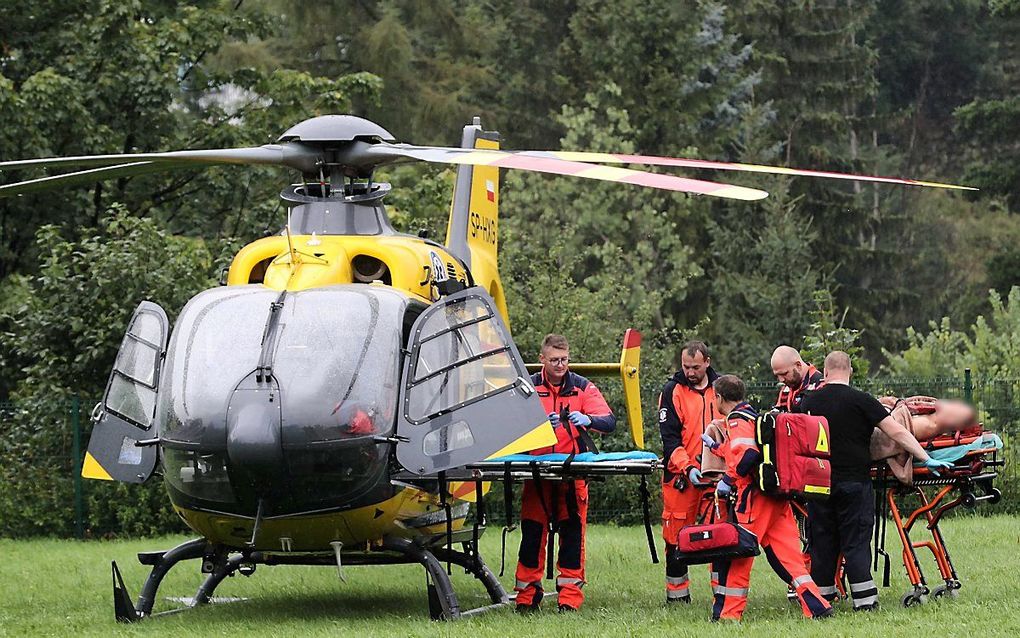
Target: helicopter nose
(254, 433)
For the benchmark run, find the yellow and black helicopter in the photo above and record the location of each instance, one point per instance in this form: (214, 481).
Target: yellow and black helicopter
(340, 399)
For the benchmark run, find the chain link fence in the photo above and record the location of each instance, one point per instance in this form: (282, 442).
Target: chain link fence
(51, 455)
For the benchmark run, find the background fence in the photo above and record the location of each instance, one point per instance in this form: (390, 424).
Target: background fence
(42, 492)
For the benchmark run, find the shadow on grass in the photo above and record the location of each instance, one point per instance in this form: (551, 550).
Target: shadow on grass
(353, 605)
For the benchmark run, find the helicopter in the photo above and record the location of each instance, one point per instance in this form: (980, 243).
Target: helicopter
(332, 403)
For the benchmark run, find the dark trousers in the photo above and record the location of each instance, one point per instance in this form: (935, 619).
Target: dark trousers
(843, 525)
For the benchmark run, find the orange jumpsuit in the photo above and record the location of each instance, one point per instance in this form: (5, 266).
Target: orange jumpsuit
(769, 518)
(562, 503)
(683, 414)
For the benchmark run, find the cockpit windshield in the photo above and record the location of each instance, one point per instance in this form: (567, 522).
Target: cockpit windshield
(333, 351)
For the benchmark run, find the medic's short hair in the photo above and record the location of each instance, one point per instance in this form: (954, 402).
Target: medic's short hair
(730, 387)
(555, 341)
(694, 347)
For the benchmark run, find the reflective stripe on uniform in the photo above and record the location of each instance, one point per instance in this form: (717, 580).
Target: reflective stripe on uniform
(864, 586)
(802, 580)
(868, 600)
(829, 590)
(742, 440)
(737, 592)
(677, 580)
(523, 584)
(561, 582)
(677, 594)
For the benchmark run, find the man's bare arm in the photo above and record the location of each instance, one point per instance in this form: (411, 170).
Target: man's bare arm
(901, 435)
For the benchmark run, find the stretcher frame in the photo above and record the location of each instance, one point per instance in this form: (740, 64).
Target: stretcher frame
(442, 600)
(971, 478)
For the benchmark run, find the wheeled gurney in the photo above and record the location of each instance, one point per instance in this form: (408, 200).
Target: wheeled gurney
(975, 457)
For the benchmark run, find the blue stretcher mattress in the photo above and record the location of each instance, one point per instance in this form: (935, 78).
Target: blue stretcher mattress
(586, 457)
(987, 440)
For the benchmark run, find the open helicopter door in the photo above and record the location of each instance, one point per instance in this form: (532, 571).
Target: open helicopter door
(466, 394)
(126, 413)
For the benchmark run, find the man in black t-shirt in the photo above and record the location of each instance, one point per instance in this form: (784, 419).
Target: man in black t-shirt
(844, 523)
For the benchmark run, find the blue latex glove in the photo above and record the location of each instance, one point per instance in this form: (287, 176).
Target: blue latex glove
(554, 419)
(695, 475)
(709, 442)
(936, 465)
(580, 420)
(723, 489)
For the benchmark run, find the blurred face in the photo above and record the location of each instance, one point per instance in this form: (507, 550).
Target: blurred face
(554, 363)
(695, 368)
(792, 374)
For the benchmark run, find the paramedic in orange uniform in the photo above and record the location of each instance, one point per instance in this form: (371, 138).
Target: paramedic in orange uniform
(560, 505)
(799, 379)
(686, 406)
(769, 518)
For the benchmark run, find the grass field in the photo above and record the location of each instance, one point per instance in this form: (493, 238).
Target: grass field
(52, 587)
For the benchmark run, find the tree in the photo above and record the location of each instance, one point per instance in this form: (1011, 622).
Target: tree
(61, 342)
(140, 77)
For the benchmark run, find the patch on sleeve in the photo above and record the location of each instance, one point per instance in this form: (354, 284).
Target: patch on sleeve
(662, 415)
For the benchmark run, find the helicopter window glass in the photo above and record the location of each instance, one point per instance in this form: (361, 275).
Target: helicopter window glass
(216, 343)
(137, 360)
(339, 373)
(458, 385)
(447, 439)
(131, 400)
(463, 312)
(147, 326)
(336, 361)
(200, 475)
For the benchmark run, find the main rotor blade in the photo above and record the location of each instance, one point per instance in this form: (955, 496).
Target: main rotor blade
(557, 166)
(89, 176)
(615, 158)
(292, 155)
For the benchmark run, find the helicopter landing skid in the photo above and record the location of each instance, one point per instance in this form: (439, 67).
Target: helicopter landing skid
(443, 604)
(218, 563)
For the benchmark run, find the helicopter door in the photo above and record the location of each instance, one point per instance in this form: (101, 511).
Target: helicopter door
(126, 413)
(466, 394)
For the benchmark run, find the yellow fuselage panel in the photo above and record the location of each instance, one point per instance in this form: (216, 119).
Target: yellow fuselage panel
(326, 260)
(315, 532)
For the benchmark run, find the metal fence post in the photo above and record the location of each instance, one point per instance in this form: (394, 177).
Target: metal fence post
(968, 386)
(79, 506)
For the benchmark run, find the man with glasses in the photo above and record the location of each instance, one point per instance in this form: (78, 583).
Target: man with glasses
(574, 406)
(686, 406)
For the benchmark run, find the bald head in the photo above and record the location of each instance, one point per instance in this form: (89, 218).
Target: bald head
(837, 366)
(788, 367)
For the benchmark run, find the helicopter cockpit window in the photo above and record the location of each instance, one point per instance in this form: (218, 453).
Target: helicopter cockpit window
(461, 356)
(336, 360)
(132, 391)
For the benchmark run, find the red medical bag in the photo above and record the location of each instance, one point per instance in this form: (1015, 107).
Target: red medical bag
(795, 455)
(709, 542)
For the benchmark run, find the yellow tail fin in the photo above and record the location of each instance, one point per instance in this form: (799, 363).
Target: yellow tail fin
(472, 234)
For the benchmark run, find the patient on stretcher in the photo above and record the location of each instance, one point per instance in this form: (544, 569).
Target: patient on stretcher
(924, 417)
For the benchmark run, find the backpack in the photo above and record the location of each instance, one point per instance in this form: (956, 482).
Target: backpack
(795, 455)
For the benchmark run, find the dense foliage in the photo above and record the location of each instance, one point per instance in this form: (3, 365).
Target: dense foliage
(925, 89)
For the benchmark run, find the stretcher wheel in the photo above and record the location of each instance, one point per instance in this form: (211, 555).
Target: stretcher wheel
(945, 591)
(913, 598)
(969, 500)
(996, 496)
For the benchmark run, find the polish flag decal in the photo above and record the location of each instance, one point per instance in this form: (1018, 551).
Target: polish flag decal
(490, 190)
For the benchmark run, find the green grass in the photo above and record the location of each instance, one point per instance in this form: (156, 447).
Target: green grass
(54, 587)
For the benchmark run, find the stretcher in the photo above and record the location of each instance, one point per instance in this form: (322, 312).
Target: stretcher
(917, 508)
(545, 467)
